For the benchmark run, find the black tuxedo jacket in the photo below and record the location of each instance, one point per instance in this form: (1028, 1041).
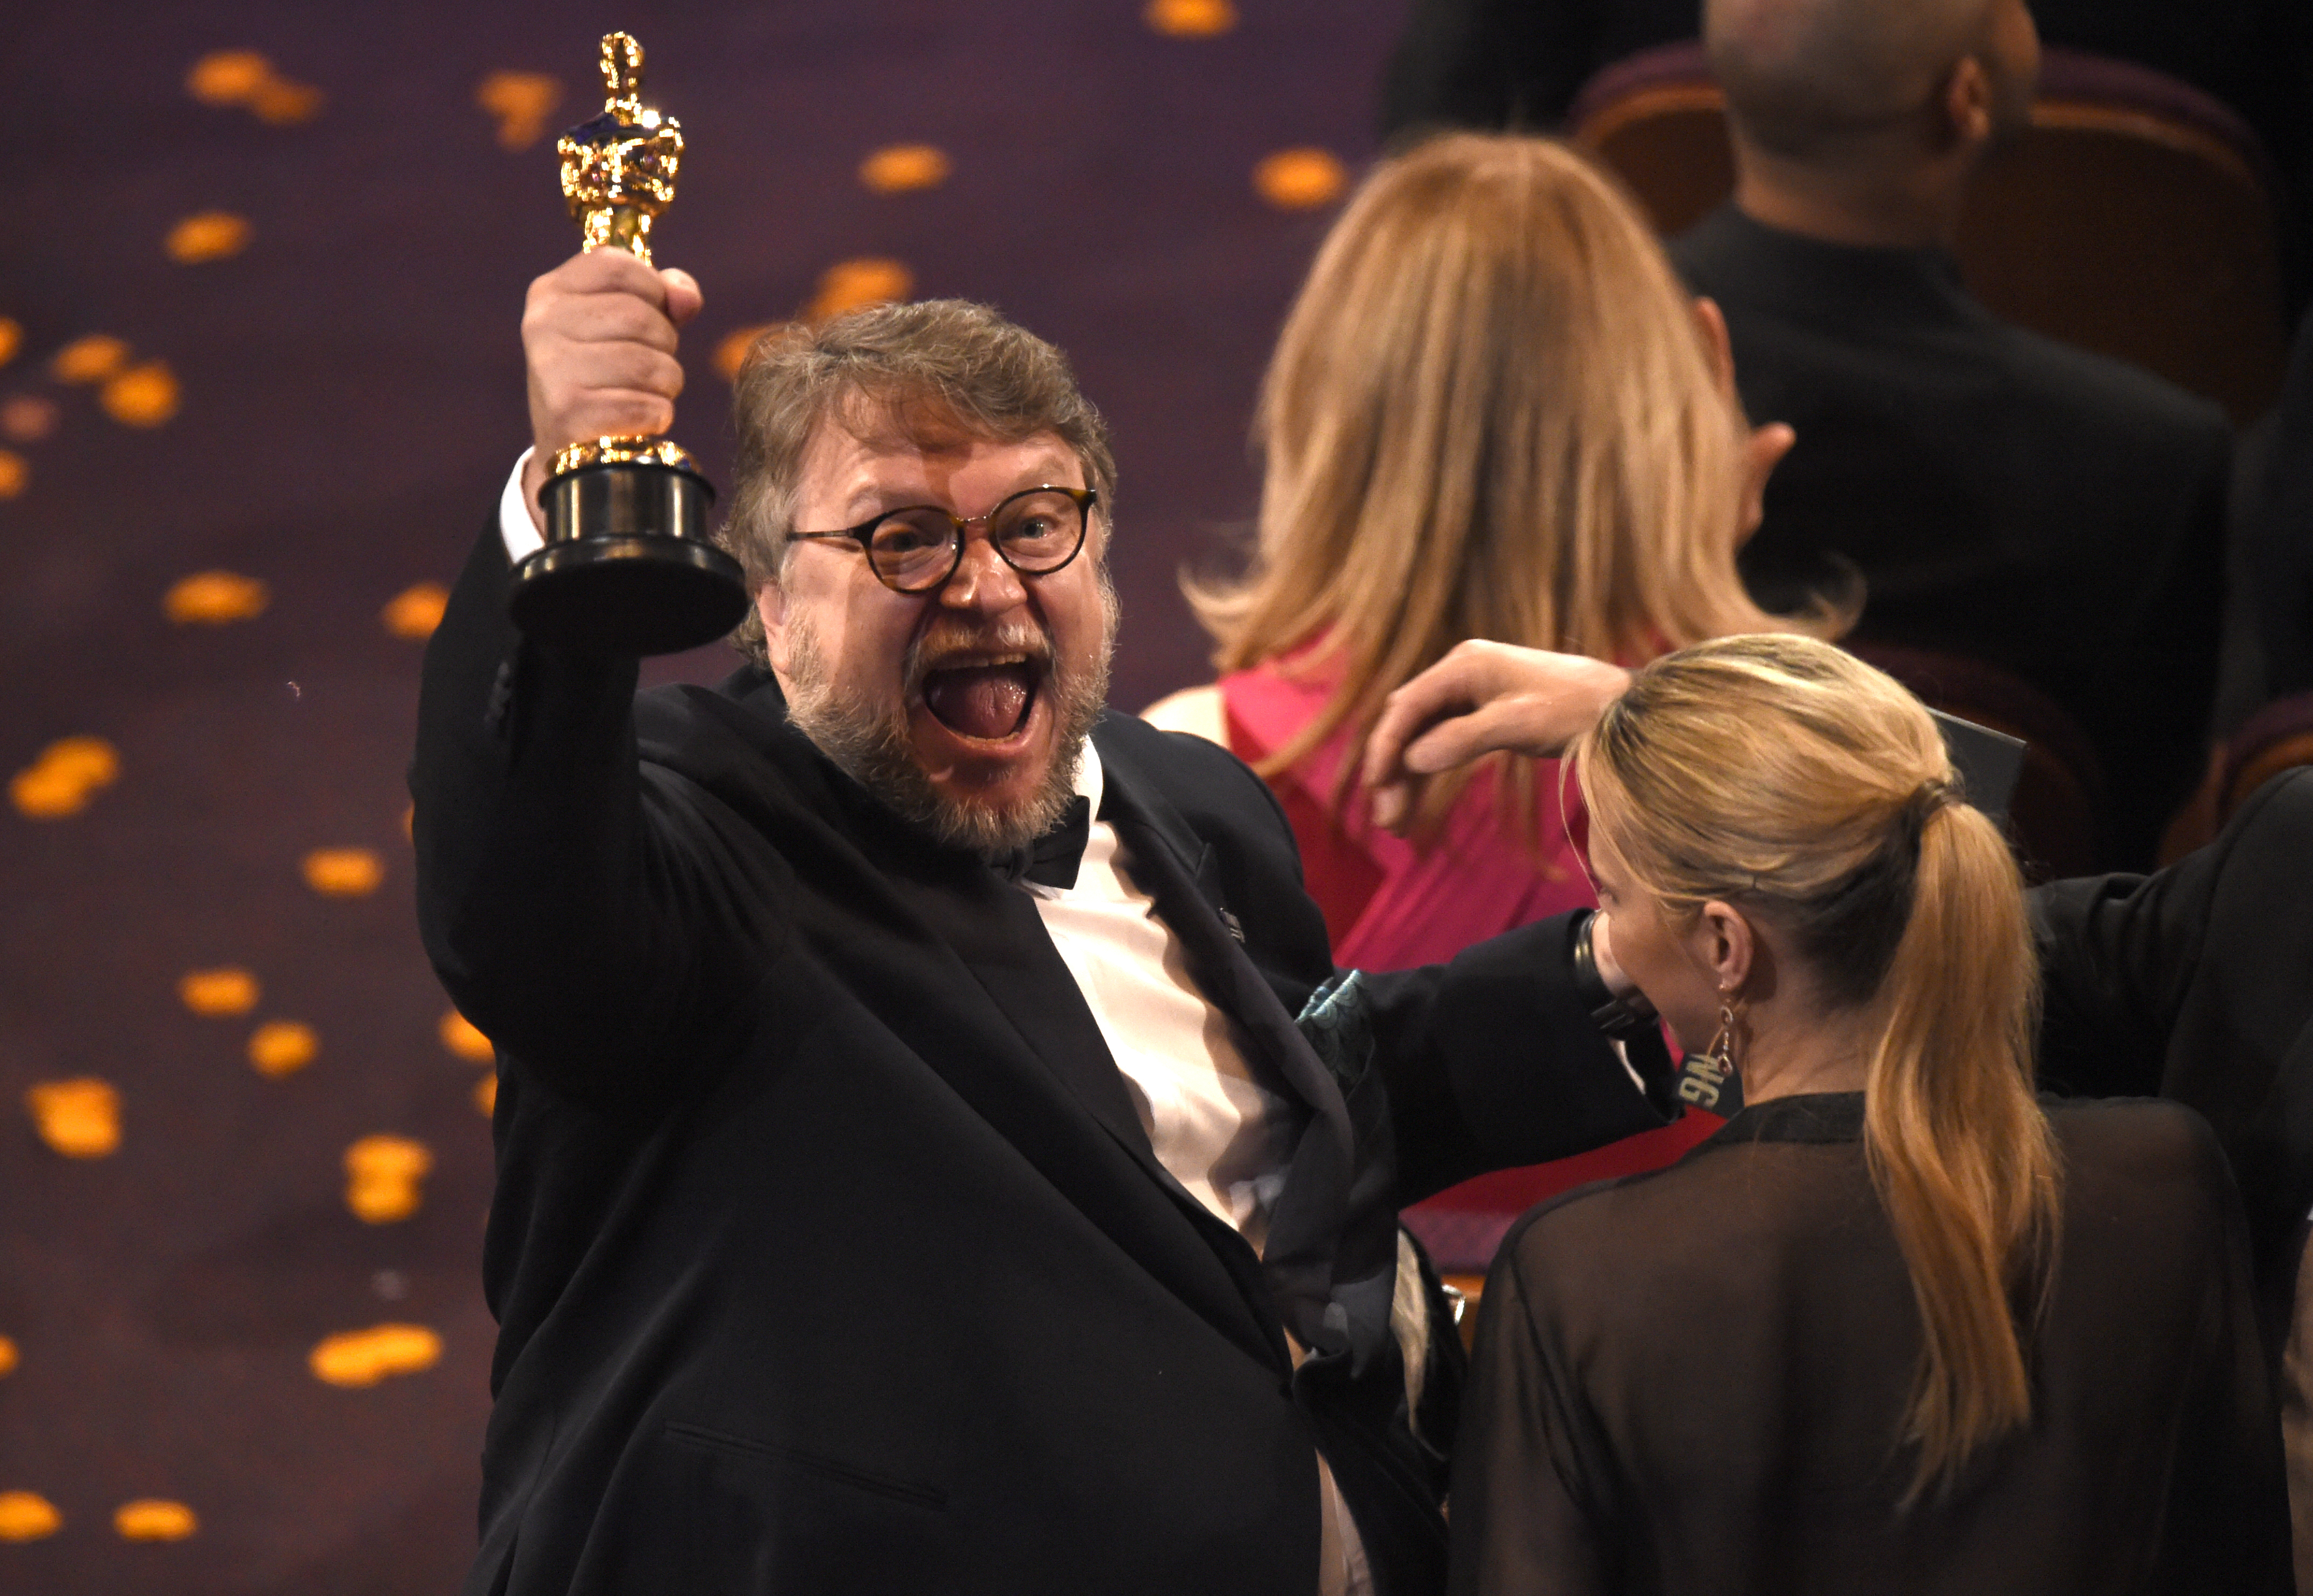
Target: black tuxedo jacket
(828, 1252)
(2005, 496)
(2196, 984)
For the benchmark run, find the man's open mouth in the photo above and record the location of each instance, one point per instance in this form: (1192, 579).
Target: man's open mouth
(988, 701)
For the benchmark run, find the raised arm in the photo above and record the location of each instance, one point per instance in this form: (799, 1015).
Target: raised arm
(578, 905)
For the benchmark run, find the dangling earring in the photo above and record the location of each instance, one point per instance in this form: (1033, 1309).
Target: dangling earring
(1721, 1055)
(1704, 1079)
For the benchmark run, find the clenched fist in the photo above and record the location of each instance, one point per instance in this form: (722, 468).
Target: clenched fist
(598, 334)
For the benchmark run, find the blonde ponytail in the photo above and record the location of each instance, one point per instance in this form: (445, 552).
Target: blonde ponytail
(1956, 1146)
(1790, 779)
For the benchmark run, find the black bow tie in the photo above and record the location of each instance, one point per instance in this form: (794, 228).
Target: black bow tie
(1051, 860)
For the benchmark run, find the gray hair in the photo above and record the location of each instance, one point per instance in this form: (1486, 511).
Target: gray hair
(942, 365)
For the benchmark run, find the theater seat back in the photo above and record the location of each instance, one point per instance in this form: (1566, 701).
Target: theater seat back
(2277, 738)
(2055, 814)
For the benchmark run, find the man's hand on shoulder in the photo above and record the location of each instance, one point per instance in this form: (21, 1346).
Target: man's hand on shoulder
(598, 336)
(1480, 699)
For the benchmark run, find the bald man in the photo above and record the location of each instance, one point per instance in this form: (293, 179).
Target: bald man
(2004, 497)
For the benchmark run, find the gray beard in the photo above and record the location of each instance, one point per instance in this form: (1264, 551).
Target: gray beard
(873, 748)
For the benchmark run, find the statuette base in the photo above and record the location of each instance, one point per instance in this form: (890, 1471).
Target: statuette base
(642, 580)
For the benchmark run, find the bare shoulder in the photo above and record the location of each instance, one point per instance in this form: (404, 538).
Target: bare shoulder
(1197, 711)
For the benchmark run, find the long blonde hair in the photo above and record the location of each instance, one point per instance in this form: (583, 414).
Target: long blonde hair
(1792, 781)
(1491, 414)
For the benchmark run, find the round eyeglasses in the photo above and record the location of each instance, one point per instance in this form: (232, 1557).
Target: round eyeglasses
(915, 549)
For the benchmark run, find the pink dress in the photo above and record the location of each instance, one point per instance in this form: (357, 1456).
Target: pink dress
(1391, 905)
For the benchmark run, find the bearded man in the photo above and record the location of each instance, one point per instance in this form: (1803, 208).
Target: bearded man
(911, 1175)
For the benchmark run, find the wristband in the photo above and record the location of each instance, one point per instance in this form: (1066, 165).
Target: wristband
(1617, 1016)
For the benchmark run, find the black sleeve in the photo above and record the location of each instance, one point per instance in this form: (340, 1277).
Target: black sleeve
(2116, 953)
(580, 908)
(1492, 1061)
(2119, 954)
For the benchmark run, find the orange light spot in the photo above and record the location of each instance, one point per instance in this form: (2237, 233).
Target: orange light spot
(215, 599)
(61, 781)
(27, 1515)
(85, 758)
(228, 77)
(41, 793)
(521, 102)
(8, 1359)
(15, 476)
(245, 77)
(214, 994)
(358, 1358)
(141, 396)
(90, 359)
(344, 872)
(415, 611)
(1300, 179)
(897, 169)
(1189, 19)
(282, 1048)
(79, 1118)
(280, 101)
(854, 285)
(462, 1038)
(209, 236)
(150, 1517)
(12, 338)
(383, 1176)
(486, 1093)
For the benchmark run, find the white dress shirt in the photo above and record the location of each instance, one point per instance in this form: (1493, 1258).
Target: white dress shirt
(1213, 1126)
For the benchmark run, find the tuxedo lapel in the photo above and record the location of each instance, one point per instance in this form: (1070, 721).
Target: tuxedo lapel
(995, 930)
(1167, 859)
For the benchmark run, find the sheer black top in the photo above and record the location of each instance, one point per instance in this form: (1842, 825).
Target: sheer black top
(1692, 1380)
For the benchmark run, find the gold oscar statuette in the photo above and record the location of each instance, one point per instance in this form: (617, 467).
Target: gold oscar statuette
(626, 567)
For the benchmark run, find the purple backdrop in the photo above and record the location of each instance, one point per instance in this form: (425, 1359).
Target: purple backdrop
(346, 400)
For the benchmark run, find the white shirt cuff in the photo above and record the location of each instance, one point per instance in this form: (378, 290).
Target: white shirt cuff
(515, 528)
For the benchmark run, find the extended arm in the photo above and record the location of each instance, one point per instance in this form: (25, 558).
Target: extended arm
(2127, 959)
(1494, 1061)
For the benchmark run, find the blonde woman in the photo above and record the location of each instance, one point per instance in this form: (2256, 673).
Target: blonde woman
(1493, 413)
(1899, 1326)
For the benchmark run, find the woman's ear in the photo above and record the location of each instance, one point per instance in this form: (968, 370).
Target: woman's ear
(1724, 945)
(1763, 451)
(1718, 348)
(1763, 447)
